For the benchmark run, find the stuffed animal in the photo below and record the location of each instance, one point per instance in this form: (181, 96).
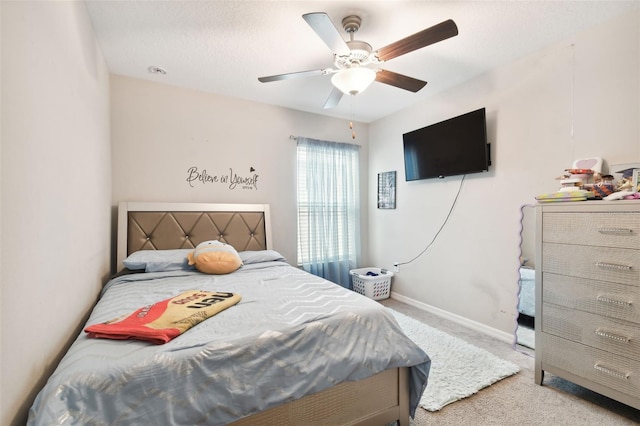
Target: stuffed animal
(214, 257)
(625, 184)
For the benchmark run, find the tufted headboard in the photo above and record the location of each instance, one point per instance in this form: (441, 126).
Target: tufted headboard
(163, 226)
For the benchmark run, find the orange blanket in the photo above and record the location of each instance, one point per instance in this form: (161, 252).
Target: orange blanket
(162, 321)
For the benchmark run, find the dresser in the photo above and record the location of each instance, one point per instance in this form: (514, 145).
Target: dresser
(588, 296)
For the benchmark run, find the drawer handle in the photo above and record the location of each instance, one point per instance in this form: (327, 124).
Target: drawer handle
(607, 265)
(613, 336)
(615, 230)
(606, 299)
(611, 371)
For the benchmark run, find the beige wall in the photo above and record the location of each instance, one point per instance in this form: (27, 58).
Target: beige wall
(161, 131)
(590, 84)
(56, 190)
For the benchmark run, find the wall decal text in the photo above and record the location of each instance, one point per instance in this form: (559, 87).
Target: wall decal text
(232, 179)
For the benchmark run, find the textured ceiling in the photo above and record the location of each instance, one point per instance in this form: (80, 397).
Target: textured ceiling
(224, 46)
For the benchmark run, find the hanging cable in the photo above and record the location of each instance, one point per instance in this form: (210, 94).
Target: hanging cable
(441, 226)
(573, 108)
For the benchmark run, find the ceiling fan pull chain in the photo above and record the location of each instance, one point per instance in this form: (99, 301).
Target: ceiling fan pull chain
(353, 132)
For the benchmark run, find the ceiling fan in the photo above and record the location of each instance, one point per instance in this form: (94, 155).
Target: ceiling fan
(351, 74)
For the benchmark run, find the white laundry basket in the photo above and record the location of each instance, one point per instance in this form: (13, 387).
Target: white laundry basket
(375, 287)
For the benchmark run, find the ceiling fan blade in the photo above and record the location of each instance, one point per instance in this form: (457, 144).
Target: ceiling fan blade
(398, 80)
(439, 32)
(322, 25)
(334, 99)
(293, 75)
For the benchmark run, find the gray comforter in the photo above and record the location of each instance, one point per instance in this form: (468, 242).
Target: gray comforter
(293, 334)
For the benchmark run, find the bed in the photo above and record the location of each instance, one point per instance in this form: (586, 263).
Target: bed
(296, 349)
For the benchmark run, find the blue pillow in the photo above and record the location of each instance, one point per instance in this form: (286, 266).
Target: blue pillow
(159, 260)
(259, 256)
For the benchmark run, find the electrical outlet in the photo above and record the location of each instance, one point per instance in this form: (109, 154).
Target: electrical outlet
(396, 267)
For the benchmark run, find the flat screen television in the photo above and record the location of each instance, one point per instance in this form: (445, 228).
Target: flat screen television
(456, 146)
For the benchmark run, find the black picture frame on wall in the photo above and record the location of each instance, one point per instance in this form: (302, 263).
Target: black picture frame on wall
(387, 190)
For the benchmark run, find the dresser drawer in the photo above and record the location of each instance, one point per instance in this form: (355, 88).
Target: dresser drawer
(616, 336)
(597, 263)
(596, 229)
(613, 371)
(598, 297)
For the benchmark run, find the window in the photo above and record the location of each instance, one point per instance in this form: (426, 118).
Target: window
(328, 208)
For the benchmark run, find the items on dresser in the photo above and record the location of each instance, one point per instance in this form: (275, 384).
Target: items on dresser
(574, 195)
(585, 181)
(587, 296)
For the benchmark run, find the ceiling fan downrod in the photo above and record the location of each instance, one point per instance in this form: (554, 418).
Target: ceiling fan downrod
(351, 24)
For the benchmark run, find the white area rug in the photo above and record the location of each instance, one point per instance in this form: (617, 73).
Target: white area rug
(458, 369)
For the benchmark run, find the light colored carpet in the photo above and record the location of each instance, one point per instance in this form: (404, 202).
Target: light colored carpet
(517, 400)
(458, 369)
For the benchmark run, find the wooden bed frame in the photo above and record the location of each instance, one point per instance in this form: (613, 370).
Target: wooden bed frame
(377, 400)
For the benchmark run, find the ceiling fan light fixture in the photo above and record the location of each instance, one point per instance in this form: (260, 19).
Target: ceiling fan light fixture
(352, 81)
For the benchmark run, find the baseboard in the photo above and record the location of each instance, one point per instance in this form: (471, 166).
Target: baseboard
(474, 325)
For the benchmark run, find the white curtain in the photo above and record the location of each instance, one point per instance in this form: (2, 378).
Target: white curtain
(328, 209)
